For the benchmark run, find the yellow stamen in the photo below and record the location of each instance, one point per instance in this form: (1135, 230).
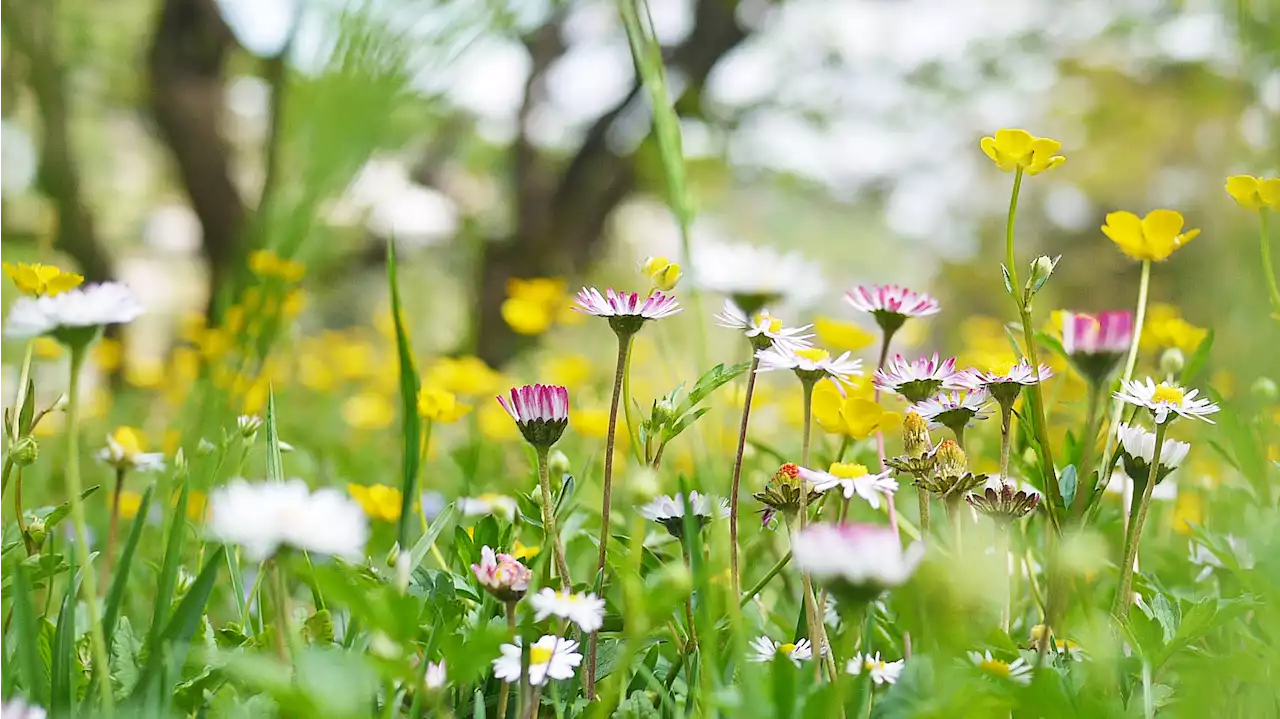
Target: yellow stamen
(813, 354)
(786, 649)
(1167, 393)
(847, 470)
(997, 667)
(771, 323)
(539, 655)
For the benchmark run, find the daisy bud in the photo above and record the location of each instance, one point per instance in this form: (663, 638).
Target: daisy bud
(540, 411)
(1265, 390)
(204, 448)
(25, 452)
(784, 492)
(36, 532)
(393, 555)
(1172, 361)
(502, 575)
(558, 463)
(951, 461)
(915, 435)
(663, 274)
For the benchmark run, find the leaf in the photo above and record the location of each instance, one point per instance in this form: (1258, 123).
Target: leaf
(28, 410)
(710, 381)
(1197, 360)
(172, 643)
(31, 669)
(275, 462)
(683, 423)
(124, 657)
(1167, 615)
(1245, 450)
(120, 576)
(433, 533)
(169, 568)
(410, 423)
(1067, 481)
(61, 511)
(64, 673)
(1008, 282)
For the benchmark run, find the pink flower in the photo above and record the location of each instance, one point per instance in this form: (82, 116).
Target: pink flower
(540, 410)
(881, 300)
(1096, 343)
(625, 304)
(918, 380)
(502, 575)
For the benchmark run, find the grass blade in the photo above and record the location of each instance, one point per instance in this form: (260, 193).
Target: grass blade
(172, 643)
(275, 473)
(63, 679)
(410, 423)
(27, 647)
(120, 582)
(169, 567)
(433, 533)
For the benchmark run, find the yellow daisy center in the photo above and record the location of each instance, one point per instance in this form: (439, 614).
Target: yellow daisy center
(813, 354)
(539, 655)
(847, 470)
(1167, 393)
(771, 324)
(489, 497)
(786, 649)
(997, 667)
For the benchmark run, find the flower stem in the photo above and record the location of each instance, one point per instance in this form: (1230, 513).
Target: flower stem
(551, 534)
(89, 582)
(282, 610)
(807, 385)
(768, 576)
(688, 602)
(957, 530)
(923, 498)
(1268, 271)
(1085, 484)
(17, 510)
(112, 523)
(1117, 408)
(619, 377)
(880, 453)
(1010, 262)
(737, 476)
(1006, 421)
(1002, 530)
(1125, 593)
(808, 601)
(505, 690)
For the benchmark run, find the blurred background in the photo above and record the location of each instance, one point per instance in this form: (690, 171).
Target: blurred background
(165, 142)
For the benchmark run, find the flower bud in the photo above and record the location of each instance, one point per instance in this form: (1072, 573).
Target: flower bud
(1265, 390)
(1041, 270)
(25, 451)
(204, 448)
(1171, 362)
(664, 410)
(393, 555)
(915, 435)
(663, 274)
(248, 425)
(558, 463)
(951, 460)
(642, 486)
(36, 532)
(180, 460)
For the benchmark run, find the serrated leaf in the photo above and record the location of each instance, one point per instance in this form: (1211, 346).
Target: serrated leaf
(710, 381)
(125, 647)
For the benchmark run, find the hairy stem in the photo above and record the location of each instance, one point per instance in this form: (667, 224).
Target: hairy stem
(1124, 595)
(1006, 422)
(880, 453)
(505, 690)
(550, 532)
(737, 477)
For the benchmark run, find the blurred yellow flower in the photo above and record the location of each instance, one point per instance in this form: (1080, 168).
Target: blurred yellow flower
(544, 290)
(107, 354)
(1165, 328)
(440, 405)
(144, 373)
(841, 336)
(1188, 509)
(663, 274)
(591, 422)
(129, 440)
(39, 280)
(1152, 238)
(520, 550)
(195, 505)
(129, 502)
(495, 423)
(267, 264)
(368, 410)
(1013, 149)
(526, 317)
(852, 416)
(47, 348)
(569, 370)
(466, 375)
(352, 357)
(315, 372)
(295, 301)
(1254, 193)
(379, 501)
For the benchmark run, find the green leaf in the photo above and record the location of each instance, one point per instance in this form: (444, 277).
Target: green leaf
(433, 533)
(172, 643)
(1067, 481)
(120, 576)
(1008, 282)
(1197, 360)
(169, 568)
(1167, 615)
(124, 658)
(275, 461)
(28, 410)
(710, 381)
(683, 423)
(61, 511)
(31, 671)
(65, 671)
(410, 423)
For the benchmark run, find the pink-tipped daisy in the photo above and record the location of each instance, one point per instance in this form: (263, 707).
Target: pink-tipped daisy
(891, 305)
(917, 380)
(764, 330)
(1097, 343)
(850, 480)
(541, 412)
(1165, 398)
(954, 410)
(626, 311)
(810, 363)
(1004, 386)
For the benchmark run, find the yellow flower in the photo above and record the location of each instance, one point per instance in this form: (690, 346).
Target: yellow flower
(107, 354)
(1188, 509)
(195, 505)
(543, 290)
(840, 335)
(129, 502)
(571, 370)
(379, 501)
(1152, 238)
(440, 405)
(1019, 149)
(47, 348)
(521, 551)
(1254, 193)
(663, 274)
(468, 376)
(315, 372)
(267, 264)
(369, 410)
(129, 440)
(526, 317)
(495, 423)
(852, 416)
(1165, 328)
(592, 423)
(39, 280)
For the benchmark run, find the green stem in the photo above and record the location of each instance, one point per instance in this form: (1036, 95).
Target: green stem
(1084, 477)
(954, 515)
(1010, 262)
(89, 581)
(1117, 407)
(21, 398)
(768, 576)
(505, 690)
(807, 385)
(737, 476)
(552, 535)
(1264, 240)
(632, 434)
(808, 601)
(22, 521)
(282, 611)
(1002, 555)
(112, 525)
(923, 498)
(889, 497)
(1125, 593)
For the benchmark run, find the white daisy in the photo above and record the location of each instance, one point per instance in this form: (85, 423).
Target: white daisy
(1018, 671)
(585, 610)
(763, 329)
(488, 503)
(809, 360)
(756, 276)
(67, 315)
(264, 517)
(18, 708)
(669, 511)
(954, 409)
(550, 656)
(881, 672)
(1140, 444)
(891, 300)
(862, 559)
(435, 677)
(852, 479)
(625, 304)
(123, 451)
(918, 380)
(248, 425)
(1164, 398)
(1121, 483)
(765, 649)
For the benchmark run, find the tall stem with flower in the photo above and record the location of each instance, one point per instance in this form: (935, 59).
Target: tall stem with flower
(1124, 594)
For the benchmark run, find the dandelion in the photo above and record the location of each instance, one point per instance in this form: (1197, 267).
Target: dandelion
(549, 658)
(851, 480)
(1149, 239)
(488, 503)
(502, 575)
(1018, 150)
(754, 277)
(765, 649)
(954, 410)
(585, 610)
(265, 517)
(438, 405)
(670, 511)
(74, 316)
(1018, 671)
(37, 280)
(1165, 398)
(880, 671)
(917, 381)
(763, 330)
(856, 561)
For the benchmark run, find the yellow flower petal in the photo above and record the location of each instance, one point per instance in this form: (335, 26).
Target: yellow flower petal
(1269, 192)
(526, 317)
(1244, 190)
(841, 336)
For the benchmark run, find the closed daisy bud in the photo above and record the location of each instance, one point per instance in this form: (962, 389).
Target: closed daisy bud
(540, 411)
(950, 460)
(784, 492)
(1172, 361)
(1265, 390)
(558, 464)
(915, 435)
(24, 452)
(1041, 268)
(502, 575)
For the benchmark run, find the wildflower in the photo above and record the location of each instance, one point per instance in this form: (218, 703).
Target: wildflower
(488, 503)
(440, 405)
(435, 677)
(809, 363)
(72, 317)
(1165, 398)
(852, 479)
(756, 276)
(1006, 504)
(845, 336)
(626, 311)
(571, 370)
(881, 672)
(949, 475)
(764, 330)
(915, 435)
(891, 305)
(540, 411)
(379, 501)
(916, 381)
(1013, 149)
(37, 280)
(1150, 239)
(1138, 449)
(1165, 328)
(248, 425)
(549, 657)
(669, 511)
(502, 575)
(954, 410)
(765, 650)
(1254, 193)
(1097, 343)
(18, 708)
(520, 550)
(1018, 672)
(1004, 386)
(267, 264)
(124, 451)
(467, 376)
(585, 610)
(1063, 647)
(663, 274)
(266, 516)
(852, 416)
(856, 561)
(785, 491)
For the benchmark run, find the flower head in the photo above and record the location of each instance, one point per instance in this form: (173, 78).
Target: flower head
(786, 490)
(1097, 343)
(264, 517)
(669, 511)
(18, 708)
(891, 305)
(498, 505)
(880, 671)
(502, 575)
(809, 363)
(1254, 193)
(248, 425)
(1005, 504)
(918, 380)
(1013, 149)
(585, 610)
(756, 276)
(764, 330)
(439, 405)
(1152, 238)
(626, 311)
(435, 677)
(1003, 386)
(1017, 671)
(124, 451)
(852, 479)
(1165, 398)
(541, 412)
(765, 649)
(37, 280)
(954, 410)
(379, 501)
(549, 657)
(856, 561)
(947, 473)
(1138, 447)
(851, 415)
(72, 317)
(663, 274)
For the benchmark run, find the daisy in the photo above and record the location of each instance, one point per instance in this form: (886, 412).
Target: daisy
(764, 330)
(916, 381)
(809, 363)
(541, 411)
(18, 708)
(1018, 672)
(1004, 503)
(585, 610)
(756, 276)
(498, 505)
(1097, 343)
(626, 311)
(124, 451)
(502, 575)
(435, 677)
(852, 479)
(550, 656)
(891, 305)
(248, 425)
(765, 650)
(1004, 386)
(669, 511)
(881, 672)
(859, 560)
(954, 410)
(266, 516)
(1165, 398)
(1122, 484)
(1139, 447)
(73, 317)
